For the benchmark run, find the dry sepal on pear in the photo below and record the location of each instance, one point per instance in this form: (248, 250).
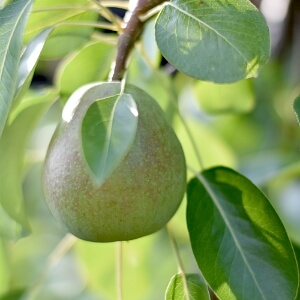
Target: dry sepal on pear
(134, 198)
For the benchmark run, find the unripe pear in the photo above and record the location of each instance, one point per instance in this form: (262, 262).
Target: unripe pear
(142, 192)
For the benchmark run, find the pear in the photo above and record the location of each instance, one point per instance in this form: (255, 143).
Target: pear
(142, 192)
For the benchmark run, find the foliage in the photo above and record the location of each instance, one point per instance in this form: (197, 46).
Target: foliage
(231, 109)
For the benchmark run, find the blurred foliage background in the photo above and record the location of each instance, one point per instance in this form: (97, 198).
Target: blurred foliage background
(249, 126)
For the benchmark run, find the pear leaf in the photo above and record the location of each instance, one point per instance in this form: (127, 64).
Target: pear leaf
(13, 142)
(28, 62)
(108, 130)
(197, 288)
(13, 19)
(238, 240)
(223, 41)
(297, 108)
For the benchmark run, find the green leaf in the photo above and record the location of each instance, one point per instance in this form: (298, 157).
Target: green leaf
(197, 288)
(28, 62)
(225, 98)
(108, 130)
(216, 151)
(155, 82)
(14, 294)
(65, 38)
(13, 220)
(84, 68)
(297, 252)
(148, 44)
(13, 18)
(213, 40)
(297, 108)
(238, 240)
(5, 270)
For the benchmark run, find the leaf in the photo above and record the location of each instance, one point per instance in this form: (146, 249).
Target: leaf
(140, 256)
(28, 62)
(238, 240)
(13, 18)
(297, 108)
(213, 40)
(65, 38)
(225, 98)
(197, 288)
(13, 220)
(297, 252)
(5, 270)
(155, 82)
(148, 44)
(108, 130)
(85, 68)
(15, 294)
(216, 151)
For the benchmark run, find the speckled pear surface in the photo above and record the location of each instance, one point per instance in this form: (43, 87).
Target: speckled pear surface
(142, 193)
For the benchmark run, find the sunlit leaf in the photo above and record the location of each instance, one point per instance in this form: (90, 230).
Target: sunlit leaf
(297, 252)
(148, 44)
(213, 149)
(84, 68)
(225, 98)
(13, 220)
(64, 38)
(108, 130)
(238, 240)
(249, 137)
(213, 40)
(28, 62)
(68, 38)
(297, 108)
(140, 257)
(153, 81)
(196, 288)
(4, 270)
(13, 18)
(13, 294)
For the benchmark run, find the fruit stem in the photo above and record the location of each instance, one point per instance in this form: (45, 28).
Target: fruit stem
(131, 33)
(179, 263)
(119, 258)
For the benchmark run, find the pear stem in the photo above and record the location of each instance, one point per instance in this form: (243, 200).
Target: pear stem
(179, 263)
(119, 258)
(131, 33)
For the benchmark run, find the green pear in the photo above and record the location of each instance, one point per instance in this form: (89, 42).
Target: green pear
(138, 197)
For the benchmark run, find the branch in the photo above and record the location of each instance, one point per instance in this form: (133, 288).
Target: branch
(130, 35)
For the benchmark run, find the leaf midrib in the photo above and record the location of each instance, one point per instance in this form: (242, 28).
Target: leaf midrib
(206, 184)
(108, 137)
(208, 27)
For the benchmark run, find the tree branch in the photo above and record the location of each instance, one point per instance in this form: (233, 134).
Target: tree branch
(130, 35)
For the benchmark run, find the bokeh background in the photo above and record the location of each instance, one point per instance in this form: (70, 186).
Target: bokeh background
(249, 126)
